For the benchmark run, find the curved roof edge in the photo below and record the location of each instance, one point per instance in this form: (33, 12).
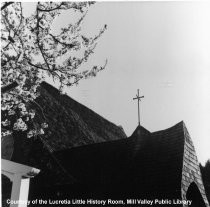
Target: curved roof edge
(143, 130)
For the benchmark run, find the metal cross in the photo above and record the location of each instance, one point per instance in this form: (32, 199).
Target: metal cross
(139, 99)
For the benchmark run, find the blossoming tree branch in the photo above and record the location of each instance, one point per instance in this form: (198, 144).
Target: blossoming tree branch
(30, 51)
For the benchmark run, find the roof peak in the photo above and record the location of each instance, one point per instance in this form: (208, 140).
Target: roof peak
(140, 129)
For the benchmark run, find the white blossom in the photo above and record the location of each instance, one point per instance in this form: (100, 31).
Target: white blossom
(6, 122)
(29, 47)
(20, 125)
(44, 125)
(11, 112)
(31, 133)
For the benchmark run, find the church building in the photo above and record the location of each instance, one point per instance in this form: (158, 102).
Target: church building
(91, 158)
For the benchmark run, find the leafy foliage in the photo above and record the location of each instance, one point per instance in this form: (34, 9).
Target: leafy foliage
(30, 50)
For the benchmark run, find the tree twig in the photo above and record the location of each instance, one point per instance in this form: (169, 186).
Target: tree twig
(6, 5)
(49, 10)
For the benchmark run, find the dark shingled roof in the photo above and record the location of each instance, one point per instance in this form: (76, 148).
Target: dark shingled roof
(72, 124)
(144, 165)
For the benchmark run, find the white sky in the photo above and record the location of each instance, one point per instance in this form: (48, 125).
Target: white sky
(162, 48)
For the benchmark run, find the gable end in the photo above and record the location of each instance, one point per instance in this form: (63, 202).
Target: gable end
(191, 170)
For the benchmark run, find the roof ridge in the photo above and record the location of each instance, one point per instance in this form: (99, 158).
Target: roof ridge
(181, 123)
(50, 87)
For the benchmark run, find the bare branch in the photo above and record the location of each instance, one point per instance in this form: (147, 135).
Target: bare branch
(11, 39)
(53, 9)
(6, 5)
(38, 41)
(36, 66)
(70, 45)
(45, 69)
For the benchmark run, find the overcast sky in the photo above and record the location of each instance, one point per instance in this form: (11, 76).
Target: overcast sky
(162, 48)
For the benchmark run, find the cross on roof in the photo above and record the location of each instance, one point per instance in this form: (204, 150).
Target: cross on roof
(139, 99)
